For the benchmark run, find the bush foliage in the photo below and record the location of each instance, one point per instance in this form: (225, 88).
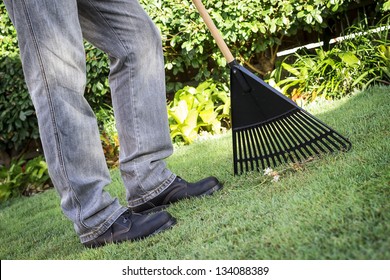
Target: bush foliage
(253, 29)
(362, 59)
(24, 177)
(205, 108)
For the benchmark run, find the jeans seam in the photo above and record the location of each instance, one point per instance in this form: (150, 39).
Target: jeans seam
(51, 109)
(109, 25)
(135, 122)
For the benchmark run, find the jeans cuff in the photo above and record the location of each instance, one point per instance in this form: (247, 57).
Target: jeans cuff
(152, 194)
(96, 232)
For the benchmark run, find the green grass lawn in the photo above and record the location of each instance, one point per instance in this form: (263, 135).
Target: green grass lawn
(336, 207)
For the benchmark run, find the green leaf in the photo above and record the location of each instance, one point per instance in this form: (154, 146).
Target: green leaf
(301, 14)
(318, 18)
(309, 18)
(309, 8)
(291, 69)
(350, 59)
(273, 27)
(208, 116)
(192, 118)
(180, 112)
(255, 28)
(22, 116)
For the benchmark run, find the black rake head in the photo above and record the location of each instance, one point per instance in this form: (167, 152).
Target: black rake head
(269, 129)
(294, 137)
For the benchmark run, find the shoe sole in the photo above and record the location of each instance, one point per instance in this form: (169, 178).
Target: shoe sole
(172, 221)
(164, 206)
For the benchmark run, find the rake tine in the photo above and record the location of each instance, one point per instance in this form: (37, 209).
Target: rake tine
(248, 152)
(306, 120)
(310, 121)
(238, 154)
(255, 146)
(280, 136)
(301, 120)
(320, 139)
(234, 153)
(263, 146)
(260, 146)
(291, 140)
(294, 136)
(306, 141)
(243, 150)
(275, 144)
(309, 135)
(234, 142)
(298, 137)
(267, 143)
(344, 140)
(249, 146)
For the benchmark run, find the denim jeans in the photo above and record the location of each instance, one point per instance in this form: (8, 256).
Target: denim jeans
(50, 36)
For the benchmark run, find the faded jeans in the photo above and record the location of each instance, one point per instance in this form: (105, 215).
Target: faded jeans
(50, 34)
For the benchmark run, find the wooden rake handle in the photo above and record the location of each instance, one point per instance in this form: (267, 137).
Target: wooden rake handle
(214, 31)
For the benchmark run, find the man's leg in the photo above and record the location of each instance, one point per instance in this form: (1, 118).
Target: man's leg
(137, 79)
(51, 47)
(126, 33)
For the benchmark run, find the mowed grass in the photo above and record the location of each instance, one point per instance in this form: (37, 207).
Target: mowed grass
(335, 207)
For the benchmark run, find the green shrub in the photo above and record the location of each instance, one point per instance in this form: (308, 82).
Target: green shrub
(23, 177)
(253, 30)
(372, 48)
(108, 135)
(205, 108)
(330, 74)
(97, 90)
(357, 62)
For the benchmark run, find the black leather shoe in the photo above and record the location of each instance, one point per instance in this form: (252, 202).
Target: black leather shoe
(179, 189)
(131, 226)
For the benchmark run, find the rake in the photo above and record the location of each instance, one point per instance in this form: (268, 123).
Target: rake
(268, 128)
